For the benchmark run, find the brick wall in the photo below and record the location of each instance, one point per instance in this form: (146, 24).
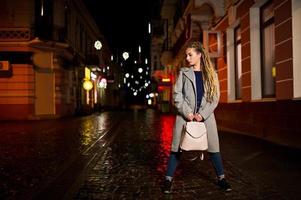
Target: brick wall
(276, 120)
(283, 49)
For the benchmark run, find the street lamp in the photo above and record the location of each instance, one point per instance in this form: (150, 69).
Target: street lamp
(125, 55)
(97, 45)
(87, 85)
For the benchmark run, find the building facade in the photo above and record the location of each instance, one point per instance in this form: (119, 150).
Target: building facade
(254, 45)
(45, 47)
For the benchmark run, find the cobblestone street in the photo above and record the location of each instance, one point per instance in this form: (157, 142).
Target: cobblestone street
(133, 168)
(123, 155)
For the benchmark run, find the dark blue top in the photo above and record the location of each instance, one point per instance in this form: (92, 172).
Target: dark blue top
(199, 87)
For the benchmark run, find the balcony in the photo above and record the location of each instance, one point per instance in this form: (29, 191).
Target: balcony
(15, 34)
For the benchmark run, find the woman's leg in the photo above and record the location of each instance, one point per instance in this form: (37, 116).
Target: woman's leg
(216, 161)
(219, 170)
(173, 162)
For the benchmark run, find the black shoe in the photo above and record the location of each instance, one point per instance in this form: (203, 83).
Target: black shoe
(167, 186)
(224, 185)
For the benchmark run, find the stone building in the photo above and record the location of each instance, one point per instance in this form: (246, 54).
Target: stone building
(254, 45)
(45, 47)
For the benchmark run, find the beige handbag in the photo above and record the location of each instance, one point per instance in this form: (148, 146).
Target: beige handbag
(194, 137)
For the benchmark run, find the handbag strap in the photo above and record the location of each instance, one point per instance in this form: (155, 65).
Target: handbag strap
(201, 156)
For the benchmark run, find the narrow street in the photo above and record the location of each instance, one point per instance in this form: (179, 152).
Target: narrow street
(123, 155)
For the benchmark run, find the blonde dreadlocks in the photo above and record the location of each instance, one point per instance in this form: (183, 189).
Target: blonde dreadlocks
(209, 74)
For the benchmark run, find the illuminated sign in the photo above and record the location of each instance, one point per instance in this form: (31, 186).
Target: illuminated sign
(87, 73)
(165, 80)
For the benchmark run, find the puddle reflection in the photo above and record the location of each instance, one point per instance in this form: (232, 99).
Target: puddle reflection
(92, 128)
(166, 122)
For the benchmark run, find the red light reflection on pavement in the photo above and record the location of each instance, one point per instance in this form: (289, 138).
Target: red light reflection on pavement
(167, 122)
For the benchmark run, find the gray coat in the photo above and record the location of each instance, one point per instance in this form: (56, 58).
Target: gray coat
(185, 103)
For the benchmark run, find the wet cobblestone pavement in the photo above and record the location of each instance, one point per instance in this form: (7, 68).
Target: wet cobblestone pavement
(34, 153)
(133, 167)
(123, 155)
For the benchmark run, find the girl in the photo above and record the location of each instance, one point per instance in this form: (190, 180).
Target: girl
(196, 95)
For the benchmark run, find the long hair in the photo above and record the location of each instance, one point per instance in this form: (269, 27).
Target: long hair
(209, 74)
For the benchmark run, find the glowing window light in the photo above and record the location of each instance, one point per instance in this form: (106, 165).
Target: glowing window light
(93, 76)
(149, 28)
(42, 8)
(103, 83)
(273, 71)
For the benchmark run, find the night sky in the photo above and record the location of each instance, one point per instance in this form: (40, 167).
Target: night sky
(124, 23)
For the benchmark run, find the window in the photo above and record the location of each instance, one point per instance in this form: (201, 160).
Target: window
(44, 19)
(267, 28)
(238, 69)
(232, 39)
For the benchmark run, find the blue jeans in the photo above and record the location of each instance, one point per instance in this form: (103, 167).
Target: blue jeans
(174, 159)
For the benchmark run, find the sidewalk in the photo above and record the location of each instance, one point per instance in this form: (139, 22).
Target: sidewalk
(271, 164)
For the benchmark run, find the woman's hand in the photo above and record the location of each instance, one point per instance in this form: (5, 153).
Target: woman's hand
(190, 117)
(198, 117)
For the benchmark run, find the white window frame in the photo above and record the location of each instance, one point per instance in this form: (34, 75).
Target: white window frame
(231, 61)
(256, 93)
(206, 44)
(296, 16)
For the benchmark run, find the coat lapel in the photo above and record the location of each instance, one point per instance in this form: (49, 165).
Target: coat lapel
(190, 75)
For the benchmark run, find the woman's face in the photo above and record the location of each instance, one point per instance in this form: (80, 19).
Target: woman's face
(193, 57)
